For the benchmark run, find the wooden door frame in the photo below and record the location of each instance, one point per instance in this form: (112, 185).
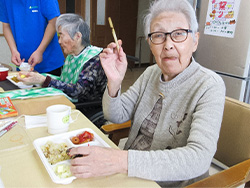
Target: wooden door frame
(105, 28)
(79, 7)
(92, 27)
(62, 6)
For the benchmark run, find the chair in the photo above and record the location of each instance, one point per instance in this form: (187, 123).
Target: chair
(131, 58)
(233, 146)
(117, 131)
(92, 110)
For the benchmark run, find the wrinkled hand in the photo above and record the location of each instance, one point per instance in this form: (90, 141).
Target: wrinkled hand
(31, 78)
(114, 64)
(98, 161)
(35, 58)
(16, 59)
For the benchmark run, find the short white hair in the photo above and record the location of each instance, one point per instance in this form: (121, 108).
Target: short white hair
(180, 6)
(73, 23)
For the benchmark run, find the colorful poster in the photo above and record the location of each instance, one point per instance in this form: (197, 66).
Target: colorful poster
(222, 17)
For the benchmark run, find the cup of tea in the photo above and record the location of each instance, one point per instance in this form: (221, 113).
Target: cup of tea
(58, 118)
(3, 73)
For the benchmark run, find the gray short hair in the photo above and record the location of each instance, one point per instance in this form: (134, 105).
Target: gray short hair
(180, 6)
(73, 23)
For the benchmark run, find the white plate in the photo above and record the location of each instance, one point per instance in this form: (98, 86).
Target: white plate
(19, 84)
(64, 138)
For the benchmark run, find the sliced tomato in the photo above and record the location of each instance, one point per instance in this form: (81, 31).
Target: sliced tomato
(85, 137)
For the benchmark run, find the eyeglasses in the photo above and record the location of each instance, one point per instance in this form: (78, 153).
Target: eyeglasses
(178, 35)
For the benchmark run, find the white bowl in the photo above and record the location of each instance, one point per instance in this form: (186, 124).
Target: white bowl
(3, 69)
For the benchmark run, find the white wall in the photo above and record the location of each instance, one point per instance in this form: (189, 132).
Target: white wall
(5, 55)
(228, 55)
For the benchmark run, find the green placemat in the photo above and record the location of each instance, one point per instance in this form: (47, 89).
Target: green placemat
(34, 93)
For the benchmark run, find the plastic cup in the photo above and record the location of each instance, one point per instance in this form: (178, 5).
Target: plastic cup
(58, 118)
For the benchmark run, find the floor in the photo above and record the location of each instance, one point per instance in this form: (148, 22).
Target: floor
(129, 79)
(131, 76)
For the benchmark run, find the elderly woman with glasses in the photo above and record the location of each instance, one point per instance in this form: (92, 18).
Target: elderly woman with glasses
(175, 106)
(82, 78)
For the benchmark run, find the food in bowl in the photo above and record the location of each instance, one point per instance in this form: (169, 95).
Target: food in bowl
(82, 138)
(25, 67)
(55, 152)
(62, 170)
(14, 78)
(3, 73)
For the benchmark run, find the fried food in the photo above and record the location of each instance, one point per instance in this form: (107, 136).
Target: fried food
(55, 152)
(14, 78)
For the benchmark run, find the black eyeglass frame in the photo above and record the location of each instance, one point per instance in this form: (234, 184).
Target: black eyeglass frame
(170, 33)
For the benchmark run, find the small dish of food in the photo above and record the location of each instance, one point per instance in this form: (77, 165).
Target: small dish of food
(13, 79)
(25, 67)
(53, 152)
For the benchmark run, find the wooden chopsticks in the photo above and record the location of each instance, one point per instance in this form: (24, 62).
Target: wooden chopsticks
(113, 32)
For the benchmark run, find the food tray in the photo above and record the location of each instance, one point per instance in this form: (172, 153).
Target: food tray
(64, 138)
(19, 84)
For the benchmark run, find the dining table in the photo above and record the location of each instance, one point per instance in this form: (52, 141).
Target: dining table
(32, 106)
(20, 163)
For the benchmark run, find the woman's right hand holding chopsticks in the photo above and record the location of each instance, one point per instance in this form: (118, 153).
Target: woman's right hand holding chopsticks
(114, 63)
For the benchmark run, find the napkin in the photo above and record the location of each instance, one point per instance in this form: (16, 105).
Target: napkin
(39, 121)
(35, 121)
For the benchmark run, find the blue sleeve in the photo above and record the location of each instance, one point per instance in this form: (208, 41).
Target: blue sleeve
(50, 9)
(3, 12)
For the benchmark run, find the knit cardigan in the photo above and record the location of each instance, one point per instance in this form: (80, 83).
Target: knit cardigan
(185, 139)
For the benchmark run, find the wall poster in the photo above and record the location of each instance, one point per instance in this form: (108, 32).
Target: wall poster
(222, 17)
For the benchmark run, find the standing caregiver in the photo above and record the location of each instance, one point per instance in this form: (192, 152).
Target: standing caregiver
(176, 106)
(29, 29)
